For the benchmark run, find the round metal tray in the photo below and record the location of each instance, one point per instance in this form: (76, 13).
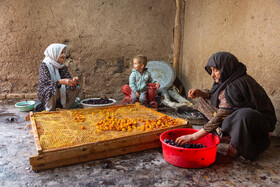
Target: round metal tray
(163, 73)
(96, 105)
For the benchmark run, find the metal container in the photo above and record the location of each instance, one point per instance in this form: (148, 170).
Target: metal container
(96, 105)
(163, 73)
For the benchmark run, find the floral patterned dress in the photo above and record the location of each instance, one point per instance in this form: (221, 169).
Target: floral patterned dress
(48, 87)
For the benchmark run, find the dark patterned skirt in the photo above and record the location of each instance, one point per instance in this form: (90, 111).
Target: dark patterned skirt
(247, 128)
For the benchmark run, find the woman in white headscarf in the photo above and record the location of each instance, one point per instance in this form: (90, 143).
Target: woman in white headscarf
(56, 87)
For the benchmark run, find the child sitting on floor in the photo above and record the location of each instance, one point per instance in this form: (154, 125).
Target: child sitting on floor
(139, 79)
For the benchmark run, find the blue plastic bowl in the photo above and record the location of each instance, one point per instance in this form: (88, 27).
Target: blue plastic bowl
(25, 105)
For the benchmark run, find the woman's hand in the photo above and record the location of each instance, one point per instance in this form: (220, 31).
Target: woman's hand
(185, 139)
(76, 80)
(191, 137)
(68, 82)
(193, 93)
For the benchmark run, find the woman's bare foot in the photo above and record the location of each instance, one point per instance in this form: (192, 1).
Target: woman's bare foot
(225, 139)
(232, 152)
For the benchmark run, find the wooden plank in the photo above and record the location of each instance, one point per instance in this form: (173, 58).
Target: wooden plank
(35, 134)
(177, 36)
(95, 155)
(65, 153)
(83, 150)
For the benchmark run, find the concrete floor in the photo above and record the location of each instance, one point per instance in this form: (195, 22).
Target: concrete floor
(147, 168)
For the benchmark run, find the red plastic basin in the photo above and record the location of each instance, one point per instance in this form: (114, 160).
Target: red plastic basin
(189, 157)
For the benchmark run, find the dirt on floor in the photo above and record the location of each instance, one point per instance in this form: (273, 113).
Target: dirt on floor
(146, 168)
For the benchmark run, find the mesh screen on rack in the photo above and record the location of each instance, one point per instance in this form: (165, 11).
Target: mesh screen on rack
(68, 128)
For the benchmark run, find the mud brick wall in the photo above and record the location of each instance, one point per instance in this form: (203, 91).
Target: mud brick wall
(248, 29)
(102, 36)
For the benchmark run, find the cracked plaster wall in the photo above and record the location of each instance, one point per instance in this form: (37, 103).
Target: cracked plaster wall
(248, 29)
(103, 36)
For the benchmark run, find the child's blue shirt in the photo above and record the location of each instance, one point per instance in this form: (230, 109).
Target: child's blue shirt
(139, 81)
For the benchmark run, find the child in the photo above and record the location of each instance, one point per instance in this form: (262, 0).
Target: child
(139, 79)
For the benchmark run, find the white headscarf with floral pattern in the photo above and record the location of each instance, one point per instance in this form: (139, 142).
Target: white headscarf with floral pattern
(52, 54)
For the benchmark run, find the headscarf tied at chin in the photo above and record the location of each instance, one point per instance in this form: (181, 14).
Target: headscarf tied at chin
(52, 54)
(230, 69)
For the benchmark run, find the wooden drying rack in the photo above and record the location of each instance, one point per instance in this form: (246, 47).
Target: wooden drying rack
(46, 159)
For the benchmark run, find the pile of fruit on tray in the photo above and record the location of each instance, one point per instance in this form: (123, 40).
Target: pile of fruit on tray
(126, 124)
(186, 145)
(98, 101)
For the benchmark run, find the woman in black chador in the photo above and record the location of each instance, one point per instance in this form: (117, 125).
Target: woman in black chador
(244, 111)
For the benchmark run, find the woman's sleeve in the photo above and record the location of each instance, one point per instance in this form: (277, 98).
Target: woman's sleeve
(217, 120)
(132, 81)
(208, 92)
(45, 77)
(64, 73)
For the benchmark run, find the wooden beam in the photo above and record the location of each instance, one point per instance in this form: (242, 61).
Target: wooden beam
(177, 37)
